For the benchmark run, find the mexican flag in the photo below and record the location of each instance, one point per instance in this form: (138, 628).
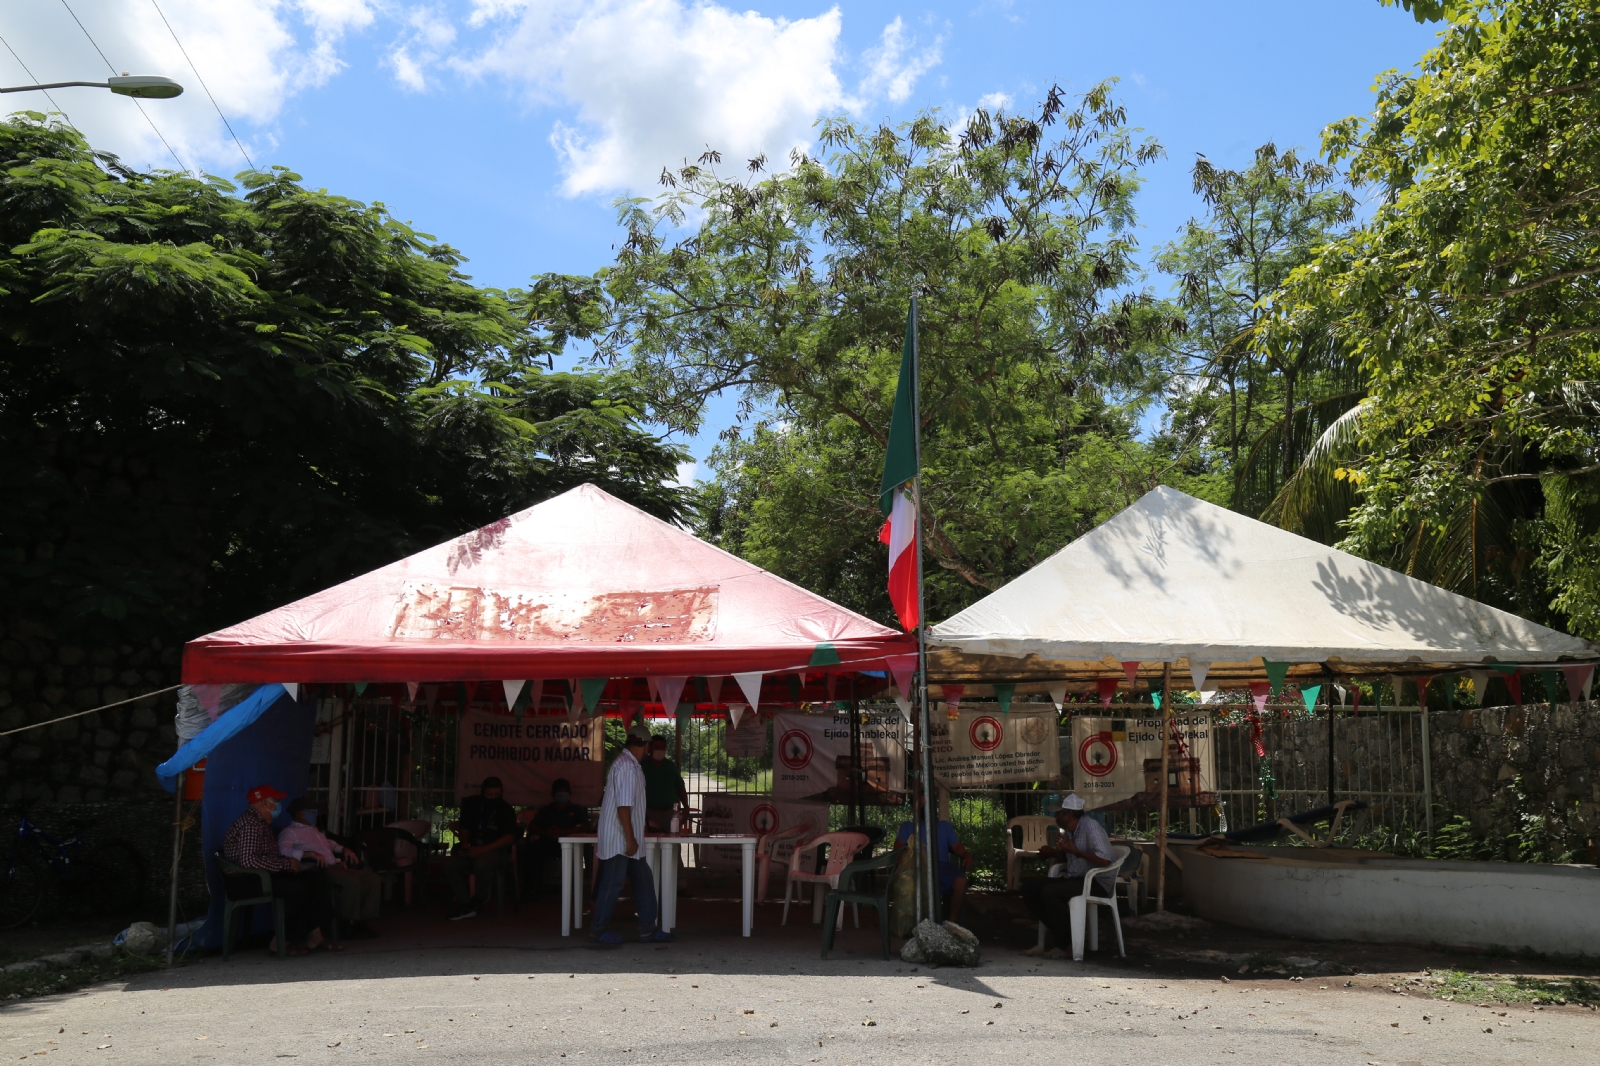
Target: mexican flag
(895, 496)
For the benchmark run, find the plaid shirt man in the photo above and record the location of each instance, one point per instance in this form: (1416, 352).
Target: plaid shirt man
(250, 843)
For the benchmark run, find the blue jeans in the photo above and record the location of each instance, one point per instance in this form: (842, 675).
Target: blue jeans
(613, 872)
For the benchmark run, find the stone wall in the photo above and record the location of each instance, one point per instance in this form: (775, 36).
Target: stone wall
(1553, 748)
(97, 771)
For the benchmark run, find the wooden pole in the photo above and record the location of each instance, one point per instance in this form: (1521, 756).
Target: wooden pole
(1161, 822)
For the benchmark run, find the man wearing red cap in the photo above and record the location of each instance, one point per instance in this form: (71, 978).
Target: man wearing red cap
(251, 843)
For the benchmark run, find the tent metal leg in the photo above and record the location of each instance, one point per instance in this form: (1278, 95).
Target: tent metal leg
(177, 852)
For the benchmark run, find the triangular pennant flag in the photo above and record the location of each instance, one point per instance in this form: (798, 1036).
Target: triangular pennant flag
(901, 668)
(1259, 691)
(797, 684)
(714, 687)
(1549, 677)
(832, 683)
(1132, 672)
(1514, 683)
(670, 690)
(735, 712)
(684, 710)
(1206, 694)
(1003, 695)
(1422, 691)
(824, 654)
(750, 685)
(1197, 674)
(574, 703)
(1108, 689)
(1340, 689)
(1309, 693)
(1276, 672)
(655, 693)
(1058, 694)
(411, 690)
(293, 690)
(901, 702)
(361, 686)
(1155, 697)
(513, 689)
(1504, 668)
(591, 689)
(952, 700)
(1355, 698)
(1480, 684)
(1578, 680)
(430, 695)
(535, 695)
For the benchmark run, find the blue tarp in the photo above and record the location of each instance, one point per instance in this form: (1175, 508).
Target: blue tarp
(227, 725)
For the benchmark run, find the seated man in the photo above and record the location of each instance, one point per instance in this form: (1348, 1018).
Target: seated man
(952, 878)
(360, 891)
(486, 831)
(1083, 844)
(250, 844)
(545, 827)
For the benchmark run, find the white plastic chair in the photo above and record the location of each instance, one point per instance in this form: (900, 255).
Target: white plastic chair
(842, 848)
(1082, 905)
(766, 849)
(1035, 835)
(1130, 880)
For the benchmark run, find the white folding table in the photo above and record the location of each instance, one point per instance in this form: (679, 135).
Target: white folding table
(662, 853)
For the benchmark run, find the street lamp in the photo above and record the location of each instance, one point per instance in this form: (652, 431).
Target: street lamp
(144, 87)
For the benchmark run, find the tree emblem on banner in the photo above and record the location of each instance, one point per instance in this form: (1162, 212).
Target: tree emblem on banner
(986, 733)
(1097, 755)
(763, 819)
(795, 749)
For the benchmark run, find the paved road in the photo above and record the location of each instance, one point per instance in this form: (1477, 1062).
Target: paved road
(721, 999)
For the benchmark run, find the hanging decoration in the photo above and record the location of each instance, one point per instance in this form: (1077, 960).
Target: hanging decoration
(292, 689)
(591, 689)
(714, 690)
(1579, 678)
(750, 685)
(1197, 674)
(1058, 694)
(1309, 694)
(513, 689)
(1513, 682)
(1277, 673)
(1003, 695)
(1108, 689)
(1131, 670)
(669, 690)
(952, 700)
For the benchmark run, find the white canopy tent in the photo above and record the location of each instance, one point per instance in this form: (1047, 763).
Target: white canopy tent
(1175, 579)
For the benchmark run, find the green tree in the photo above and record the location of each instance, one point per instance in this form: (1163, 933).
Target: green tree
(1260, 223)
(792, 290)
(213, 403)
(1471, 299)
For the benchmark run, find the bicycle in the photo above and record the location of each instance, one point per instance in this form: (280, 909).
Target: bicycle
(108, 876)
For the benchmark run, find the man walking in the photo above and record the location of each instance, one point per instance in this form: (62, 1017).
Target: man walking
(619, 848)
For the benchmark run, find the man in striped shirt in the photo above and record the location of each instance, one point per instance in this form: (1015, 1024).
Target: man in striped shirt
(619, 848)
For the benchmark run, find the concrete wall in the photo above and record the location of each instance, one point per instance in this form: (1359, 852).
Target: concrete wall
(1548, 909)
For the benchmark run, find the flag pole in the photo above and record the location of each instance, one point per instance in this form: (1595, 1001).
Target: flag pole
(930, 810)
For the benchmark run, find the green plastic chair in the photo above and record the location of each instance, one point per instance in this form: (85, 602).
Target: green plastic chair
(233, 903)
(878, 898)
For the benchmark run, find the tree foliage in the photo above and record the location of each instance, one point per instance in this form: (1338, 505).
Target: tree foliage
(792, 289)
(211, 403)
(1472, 298)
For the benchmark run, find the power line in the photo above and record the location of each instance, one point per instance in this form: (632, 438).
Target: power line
(113, 70)
(34, 79)
(203, 84)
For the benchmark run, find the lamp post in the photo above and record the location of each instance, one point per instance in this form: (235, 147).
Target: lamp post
(144, 87)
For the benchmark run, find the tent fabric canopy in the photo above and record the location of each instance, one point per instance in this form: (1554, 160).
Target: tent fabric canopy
(1173, 579)
(581, 585)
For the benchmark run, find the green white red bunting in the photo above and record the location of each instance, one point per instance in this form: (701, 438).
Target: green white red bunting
(894, 494)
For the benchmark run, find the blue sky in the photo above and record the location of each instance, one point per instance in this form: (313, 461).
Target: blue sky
(507, 127)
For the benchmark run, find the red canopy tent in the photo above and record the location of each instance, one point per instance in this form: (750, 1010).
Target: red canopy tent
(582, 585)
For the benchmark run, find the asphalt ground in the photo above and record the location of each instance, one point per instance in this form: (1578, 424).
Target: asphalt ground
(510, 990)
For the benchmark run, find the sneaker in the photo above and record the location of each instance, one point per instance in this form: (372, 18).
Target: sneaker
(467, 911)
(607, 938)
(658, 936)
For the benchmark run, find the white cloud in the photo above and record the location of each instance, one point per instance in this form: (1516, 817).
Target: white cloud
(892, 70)
(253, 54)
(686, 474)
(428, 35)
(658, 81)
(992, 102)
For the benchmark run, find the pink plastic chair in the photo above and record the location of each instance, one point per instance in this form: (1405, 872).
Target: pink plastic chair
(842, 848)
(766, 848)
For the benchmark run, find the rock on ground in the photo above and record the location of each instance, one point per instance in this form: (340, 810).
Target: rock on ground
(936, 944)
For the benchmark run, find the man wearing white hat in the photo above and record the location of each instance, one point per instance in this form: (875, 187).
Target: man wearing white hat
(1083, 844)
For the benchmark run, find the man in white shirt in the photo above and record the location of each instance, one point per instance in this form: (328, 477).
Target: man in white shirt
(619, 848)
(1083, 845)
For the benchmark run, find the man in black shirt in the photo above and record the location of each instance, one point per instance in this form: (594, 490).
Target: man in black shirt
(485, 833)
(556, 819)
